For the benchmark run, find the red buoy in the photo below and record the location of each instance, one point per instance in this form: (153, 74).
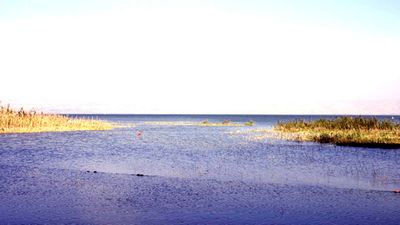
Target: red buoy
(138, 134)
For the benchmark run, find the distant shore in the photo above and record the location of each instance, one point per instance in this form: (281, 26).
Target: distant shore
(346, 131)
(21, 121)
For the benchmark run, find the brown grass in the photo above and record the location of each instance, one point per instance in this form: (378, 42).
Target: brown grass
(12, 121)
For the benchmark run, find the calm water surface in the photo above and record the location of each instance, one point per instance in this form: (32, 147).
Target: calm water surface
(193, 175)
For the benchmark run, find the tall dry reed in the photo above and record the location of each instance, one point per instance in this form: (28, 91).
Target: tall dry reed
(16, 121)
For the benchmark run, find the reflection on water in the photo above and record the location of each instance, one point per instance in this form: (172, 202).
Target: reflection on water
(205, 153)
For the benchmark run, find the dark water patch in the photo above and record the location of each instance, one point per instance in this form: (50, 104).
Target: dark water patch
(371, 145)
(79, 197)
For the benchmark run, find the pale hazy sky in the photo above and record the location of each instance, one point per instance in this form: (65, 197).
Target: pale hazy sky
(147, 56)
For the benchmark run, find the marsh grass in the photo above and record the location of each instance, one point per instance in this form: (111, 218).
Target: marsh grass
(22, 121)
(351, 131)
(204, 123)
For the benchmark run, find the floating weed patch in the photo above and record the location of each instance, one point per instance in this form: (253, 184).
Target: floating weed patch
(204, 123)
(249, 123)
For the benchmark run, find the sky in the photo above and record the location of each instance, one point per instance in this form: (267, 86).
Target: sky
(201, 57)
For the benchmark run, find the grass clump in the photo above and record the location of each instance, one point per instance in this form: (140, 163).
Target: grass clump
(205, 122)
(249, 123)
(351, 131)
(225, 123)
(22, 121)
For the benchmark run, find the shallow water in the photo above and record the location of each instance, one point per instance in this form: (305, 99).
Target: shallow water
(194, 175)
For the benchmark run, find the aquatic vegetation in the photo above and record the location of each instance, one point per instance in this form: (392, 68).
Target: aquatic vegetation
(205, 122)
(352, 131)
(341, 123)
(22, 121)
(249, 123)
(226, 123)
(221, 124)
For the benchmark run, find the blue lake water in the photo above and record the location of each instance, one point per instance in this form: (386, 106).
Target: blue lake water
(193, 175)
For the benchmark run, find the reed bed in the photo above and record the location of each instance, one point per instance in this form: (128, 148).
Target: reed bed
(350, 131)
(21, 121)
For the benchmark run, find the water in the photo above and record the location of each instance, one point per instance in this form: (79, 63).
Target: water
(193, 175)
